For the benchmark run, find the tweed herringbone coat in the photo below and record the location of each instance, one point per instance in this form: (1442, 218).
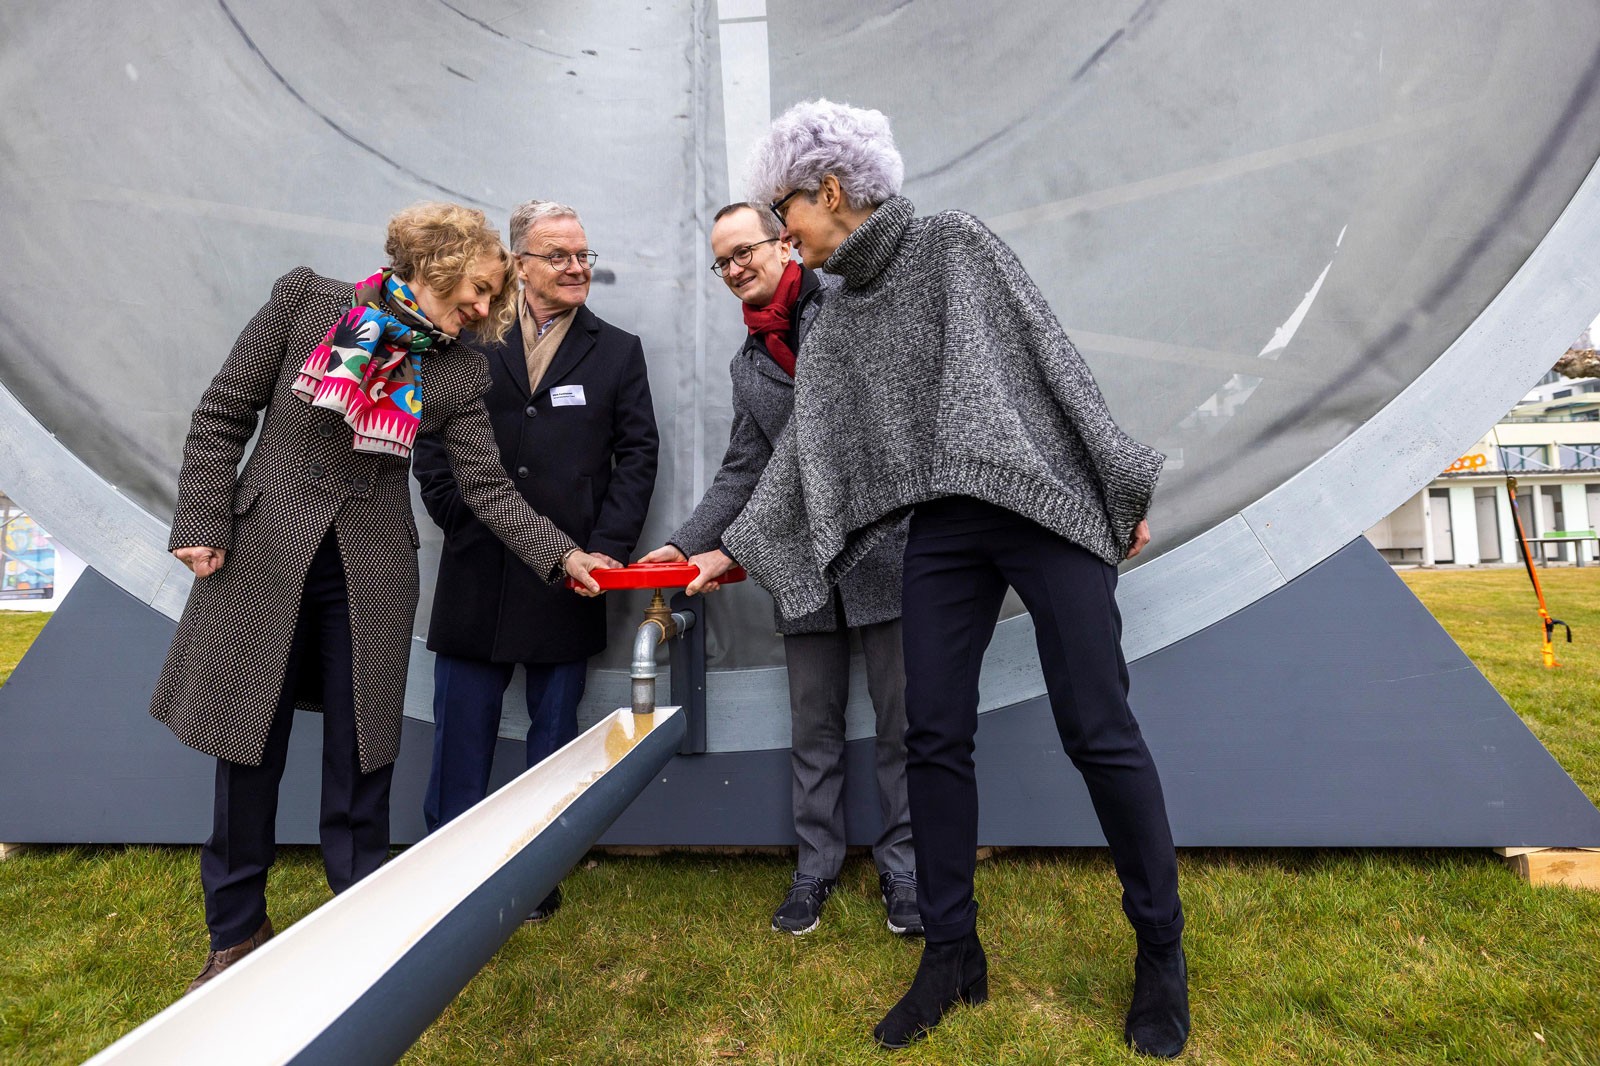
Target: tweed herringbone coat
(219, 688)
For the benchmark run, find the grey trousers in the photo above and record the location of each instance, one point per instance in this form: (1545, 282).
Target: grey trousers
(819, 688)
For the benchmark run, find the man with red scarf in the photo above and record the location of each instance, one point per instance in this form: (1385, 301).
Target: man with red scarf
(781, 298)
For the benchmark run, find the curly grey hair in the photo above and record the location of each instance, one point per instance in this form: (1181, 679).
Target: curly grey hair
(819, 137)
(526, 214)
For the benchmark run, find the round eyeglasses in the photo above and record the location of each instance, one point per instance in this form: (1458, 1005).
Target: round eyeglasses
(560, 260)
(740, 256)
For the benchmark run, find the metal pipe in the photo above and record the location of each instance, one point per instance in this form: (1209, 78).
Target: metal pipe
(651, 634)
(646, 639)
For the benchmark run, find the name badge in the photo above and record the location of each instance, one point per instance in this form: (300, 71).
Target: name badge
(567, 396)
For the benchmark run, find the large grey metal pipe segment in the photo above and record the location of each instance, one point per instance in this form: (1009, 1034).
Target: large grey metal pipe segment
(1310, 251)
(359, 979)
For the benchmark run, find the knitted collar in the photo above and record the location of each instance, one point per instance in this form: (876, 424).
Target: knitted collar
(864, 254)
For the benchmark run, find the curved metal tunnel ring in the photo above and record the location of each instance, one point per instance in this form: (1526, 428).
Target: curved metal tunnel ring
(1349, 331)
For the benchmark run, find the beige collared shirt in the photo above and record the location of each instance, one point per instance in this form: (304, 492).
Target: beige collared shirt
(538, 349)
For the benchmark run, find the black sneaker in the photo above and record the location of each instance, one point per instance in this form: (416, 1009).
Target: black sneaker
(802, 907)
(546, 908)
(900, 901)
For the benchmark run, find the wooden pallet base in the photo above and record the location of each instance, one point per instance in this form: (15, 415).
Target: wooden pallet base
(652, 851)
(8, 850)
(1573, 867)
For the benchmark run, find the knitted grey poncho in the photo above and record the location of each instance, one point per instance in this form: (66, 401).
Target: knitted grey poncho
(937, 369)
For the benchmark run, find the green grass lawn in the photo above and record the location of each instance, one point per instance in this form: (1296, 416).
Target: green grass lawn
(17, 630)
(1296, 956)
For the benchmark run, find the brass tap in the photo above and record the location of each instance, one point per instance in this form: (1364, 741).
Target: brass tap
(658, 611)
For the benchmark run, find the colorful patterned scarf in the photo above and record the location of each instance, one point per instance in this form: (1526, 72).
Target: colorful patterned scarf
(369, 366)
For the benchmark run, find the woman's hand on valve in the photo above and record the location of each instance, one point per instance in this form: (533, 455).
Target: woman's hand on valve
(667, 553)
(577, 563)
(712, 565)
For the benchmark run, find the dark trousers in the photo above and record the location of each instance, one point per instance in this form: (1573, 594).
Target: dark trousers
(354, 828)
(467, 695)
(819, 689)
(960, 556)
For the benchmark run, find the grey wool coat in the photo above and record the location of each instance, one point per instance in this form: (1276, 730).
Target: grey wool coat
(763, 399)
(940, 360)
(219, 688)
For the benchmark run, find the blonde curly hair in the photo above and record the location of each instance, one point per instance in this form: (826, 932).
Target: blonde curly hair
(435, 244)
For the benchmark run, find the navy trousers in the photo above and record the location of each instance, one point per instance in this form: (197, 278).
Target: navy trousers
(961, 554)
(467, 695)
(354, 827)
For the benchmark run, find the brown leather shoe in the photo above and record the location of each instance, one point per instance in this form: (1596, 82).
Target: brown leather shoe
(218, 961)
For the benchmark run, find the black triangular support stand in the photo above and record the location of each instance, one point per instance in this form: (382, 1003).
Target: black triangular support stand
(1332, 712)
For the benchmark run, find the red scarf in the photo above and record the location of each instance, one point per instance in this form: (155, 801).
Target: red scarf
(771, 323)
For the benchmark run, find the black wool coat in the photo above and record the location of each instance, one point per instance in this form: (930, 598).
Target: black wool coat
(589, 467)
(219, 688)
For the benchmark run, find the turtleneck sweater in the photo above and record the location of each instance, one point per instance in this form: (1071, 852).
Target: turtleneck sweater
(937, 369)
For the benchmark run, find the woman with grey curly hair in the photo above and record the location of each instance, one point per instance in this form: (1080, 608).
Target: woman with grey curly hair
(937, 381)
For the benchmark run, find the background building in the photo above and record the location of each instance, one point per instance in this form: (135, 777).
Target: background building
(1549, 442)
(35, 571)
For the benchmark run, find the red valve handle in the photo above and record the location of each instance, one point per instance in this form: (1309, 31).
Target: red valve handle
(655, 576)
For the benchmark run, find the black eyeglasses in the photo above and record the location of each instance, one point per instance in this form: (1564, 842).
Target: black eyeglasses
(777, 205)
(559, 260)
(741, 256)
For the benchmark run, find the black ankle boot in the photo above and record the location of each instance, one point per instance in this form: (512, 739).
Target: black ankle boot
(1158, 1020)
(949, 973)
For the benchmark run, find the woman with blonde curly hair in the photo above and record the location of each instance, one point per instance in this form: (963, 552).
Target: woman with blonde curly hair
(306, 560)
